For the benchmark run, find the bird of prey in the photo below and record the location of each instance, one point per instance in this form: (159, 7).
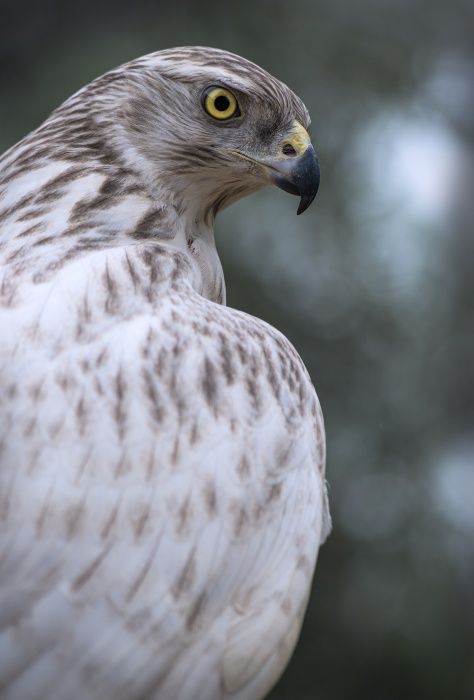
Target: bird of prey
(162, 493)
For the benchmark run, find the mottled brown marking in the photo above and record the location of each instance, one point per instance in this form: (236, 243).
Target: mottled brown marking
(34, 228)
(240, 518)
(75, 230)
(56, 183)
(177, 270)
(16, 253)
(184, 515)
(85, 365)
(160, 363)
(148, 226)
(209, 384)
(63, 381)
(282, 453)
(111, 187)
(210, 498)
(110, 521)
(102, 356)
(111, 288)
(44, 512)
(274, 492)
(73, 516)
(89, 571)
(145, 351)
(17, 206)
(35, 390)
(81, 415)
(177, 348)
(143, 573)
(85, 311)
(141, 520)
(6, 502)
(8, 291)
(254, 394)
(119, 411)
(131, 271)
(196, 611)
(243, 467)
(86, 206)
(302, 398)
(175, 452)
(194, 436)
(33, 213)
(12, 390)
(321, 455)
(156, 409)
(283, 365)
(271, 373)
(242, 353)
(226, 360)
(258, 511)
(186, 578)
(44, 241)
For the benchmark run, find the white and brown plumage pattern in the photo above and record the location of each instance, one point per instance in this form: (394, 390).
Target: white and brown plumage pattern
(162, 494)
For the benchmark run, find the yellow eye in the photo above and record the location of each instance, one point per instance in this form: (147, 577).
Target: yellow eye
(220, 103)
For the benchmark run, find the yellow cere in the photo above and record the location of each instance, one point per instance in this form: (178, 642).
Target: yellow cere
(220, 103)
(298, 137)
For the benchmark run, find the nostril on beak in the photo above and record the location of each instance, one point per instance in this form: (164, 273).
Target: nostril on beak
(288, 149)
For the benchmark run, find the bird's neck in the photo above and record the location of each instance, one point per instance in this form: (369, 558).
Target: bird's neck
(58, 211)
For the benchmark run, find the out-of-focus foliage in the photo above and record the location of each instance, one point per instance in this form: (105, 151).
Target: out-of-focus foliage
(374, 285)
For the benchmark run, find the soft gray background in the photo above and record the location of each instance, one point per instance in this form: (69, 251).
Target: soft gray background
(374, 285)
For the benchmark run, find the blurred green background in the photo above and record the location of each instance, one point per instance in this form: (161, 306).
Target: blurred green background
(374, 285)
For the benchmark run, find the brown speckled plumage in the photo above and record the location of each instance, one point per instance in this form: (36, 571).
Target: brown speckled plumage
(162, 493)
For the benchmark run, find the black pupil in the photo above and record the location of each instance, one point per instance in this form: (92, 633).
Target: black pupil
(222, 103)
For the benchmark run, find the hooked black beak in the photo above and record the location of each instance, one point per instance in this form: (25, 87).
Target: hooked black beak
(294, 169)
(299, 175)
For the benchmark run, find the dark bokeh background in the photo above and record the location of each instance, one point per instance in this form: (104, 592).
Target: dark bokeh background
(374, 286)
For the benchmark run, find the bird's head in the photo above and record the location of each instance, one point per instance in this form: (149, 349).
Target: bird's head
(211, 127)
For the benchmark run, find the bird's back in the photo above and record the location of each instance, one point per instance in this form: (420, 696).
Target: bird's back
(161, 475)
